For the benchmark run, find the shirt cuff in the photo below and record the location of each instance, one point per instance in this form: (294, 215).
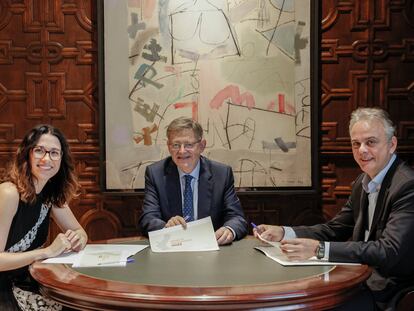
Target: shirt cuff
(289, 233)
(232, 231)
(327, 246)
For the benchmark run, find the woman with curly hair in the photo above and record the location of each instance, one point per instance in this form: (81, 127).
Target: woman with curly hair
(39, 184)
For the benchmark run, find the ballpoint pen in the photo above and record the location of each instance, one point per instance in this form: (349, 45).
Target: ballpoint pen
(258, 232)
(114, 262)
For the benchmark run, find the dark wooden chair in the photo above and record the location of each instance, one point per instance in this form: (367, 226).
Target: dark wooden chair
(406, 303)
(402, 301)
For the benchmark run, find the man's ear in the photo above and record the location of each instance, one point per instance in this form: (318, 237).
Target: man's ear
(203, 144)
(393, 144)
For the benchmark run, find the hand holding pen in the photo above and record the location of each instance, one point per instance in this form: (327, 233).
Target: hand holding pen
(256, 230)
(268, 232)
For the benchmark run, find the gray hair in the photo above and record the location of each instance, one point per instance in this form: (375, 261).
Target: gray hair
(184, 123)
(369, 114)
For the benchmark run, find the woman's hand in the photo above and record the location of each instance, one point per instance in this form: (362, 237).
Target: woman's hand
(60, 245)
(76, 239)
(68, 223)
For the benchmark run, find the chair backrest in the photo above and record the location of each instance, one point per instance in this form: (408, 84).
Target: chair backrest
(406, 303)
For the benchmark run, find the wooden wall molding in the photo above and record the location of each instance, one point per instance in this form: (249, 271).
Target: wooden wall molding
(366, 54)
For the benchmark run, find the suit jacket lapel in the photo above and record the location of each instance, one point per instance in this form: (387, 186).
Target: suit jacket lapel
(173, 188)
(205, 189)
(381, 208)
(362, 219)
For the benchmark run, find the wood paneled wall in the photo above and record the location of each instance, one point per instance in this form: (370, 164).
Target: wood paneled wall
(367, 55)
(49, 74)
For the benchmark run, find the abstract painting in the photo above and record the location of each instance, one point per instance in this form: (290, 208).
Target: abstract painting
(241, 68)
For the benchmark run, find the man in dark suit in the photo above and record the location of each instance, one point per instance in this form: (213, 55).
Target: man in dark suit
(376, 225)
(212, 187)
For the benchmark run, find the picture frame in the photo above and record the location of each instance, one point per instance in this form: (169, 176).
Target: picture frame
(247, 71)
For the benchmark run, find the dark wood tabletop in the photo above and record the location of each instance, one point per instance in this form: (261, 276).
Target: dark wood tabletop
(237, 277)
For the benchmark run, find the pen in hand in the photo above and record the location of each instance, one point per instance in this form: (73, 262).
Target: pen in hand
(259, 235)
(255, 227)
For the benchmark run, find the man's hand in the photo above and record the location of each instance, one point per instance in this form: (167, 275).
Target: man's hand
(224, 236)
(299, 249)
(176, 220)
(270, 233)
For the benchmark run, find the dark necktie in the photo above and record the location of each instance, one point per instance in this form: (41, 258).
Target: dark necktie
(188, 211)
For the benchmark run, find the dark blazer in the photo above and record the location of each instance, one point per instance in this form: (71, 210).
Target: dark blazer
(216, 196)
(390, 246)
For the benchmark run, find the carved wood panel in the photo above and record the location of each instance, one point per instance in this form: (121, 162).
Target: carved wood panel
(367, 60)
(49, 73)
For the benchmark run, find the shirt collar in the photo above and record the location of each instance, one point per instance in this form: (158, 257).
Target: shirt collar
(374, 185)
(195, 173)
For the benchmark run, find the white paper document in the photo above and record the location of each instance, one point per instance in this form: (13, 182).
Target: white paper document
(198, 236)
(273, 251)
(66, 258)
(99, 255)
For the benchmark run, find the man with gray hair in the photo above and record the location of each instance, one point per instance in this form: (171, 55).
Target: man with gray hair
(375, 226)
(187, 186)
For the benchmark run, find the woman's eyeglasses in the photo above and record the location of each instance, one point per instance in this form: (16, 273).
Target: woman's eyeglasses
(39, 152)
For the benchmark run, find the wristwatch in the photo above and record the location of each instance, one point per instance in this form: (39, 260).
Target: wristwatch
(320, 250)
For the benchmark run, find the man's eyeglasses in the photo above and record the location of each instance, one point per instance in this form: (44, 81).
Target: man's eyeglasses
(187, 146)
(39, 152)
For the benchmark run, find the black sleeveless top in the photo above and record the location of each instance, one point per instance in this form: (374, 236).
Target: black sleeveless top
(29, 230)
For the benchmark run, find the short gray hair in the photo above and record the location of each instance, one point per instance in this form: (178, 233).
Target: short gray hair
(369, 114)
(185, 123)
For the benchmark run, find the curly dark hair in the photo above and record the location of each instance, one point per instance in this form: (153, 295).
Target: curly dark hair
(61, 188)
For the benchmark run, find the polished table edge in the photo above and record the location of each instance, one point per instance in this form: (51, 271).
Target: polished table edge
(61, 282)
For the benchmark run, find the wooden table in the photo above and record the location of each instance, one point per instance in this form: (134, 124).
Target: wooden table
(237, 277)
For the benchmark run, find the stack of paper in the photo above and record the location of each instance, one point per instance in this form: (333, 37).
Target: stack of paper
(99, 255)
(198, 236)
